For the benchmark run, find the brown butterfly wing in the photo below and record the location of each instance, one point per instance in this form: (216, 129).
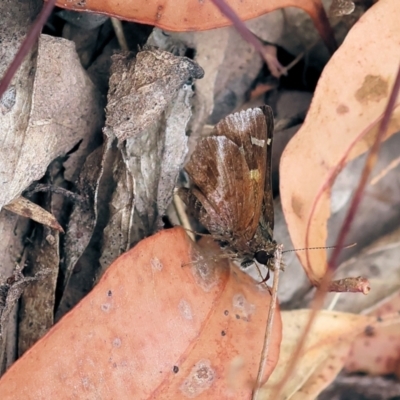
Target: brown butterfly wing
(228, 170)
(223, 185)
(252, 130)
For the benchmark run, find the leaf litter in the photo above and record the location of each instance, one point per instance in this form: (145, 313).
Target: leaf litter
(122, 190)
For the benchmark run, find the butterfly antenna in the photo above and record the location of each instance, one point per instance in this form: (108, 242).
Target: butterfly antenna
(320, 248)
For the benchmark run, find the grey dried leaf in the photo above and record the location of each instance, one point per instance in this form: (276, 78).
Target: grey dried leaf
(65, 108)
(36, 312)
(83, 217)
(15, 104)
(154, 159)
(87, 265)
(10, 292)
(149, 109)
(142, 88)
(13, 231)
(117, 233)
(230, 66)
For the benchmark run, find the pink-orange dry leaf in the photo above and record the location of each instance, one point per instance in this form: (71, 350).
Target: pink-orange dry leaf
(194, 15)
(377, 350)
(324, 374)
(153, 329)
(323, 354)
(349, 100)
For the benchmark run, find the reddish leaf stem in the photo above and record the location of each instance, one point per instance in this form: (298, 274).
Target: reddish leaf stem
(249, 36)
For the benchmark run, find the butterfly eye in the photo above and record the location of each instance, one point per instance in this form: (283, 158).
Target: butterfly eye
(262, 257)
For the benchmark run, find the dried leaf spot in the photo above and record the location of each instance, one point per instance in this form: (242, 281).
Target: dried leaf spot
(85, 382)
(159, 12)
(374, 88)
(156, 264)
(51, 240)
(185, 310)
(204, 272)
(27, 212)
(106, 307)
(369, 330)
(342, 109)
(200, 378)
(7, 101)
(116, 342)
(297, 206)
(240, 303)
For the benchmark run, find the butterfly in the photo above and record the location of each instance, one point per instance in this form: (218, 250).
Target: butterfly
(231, 185)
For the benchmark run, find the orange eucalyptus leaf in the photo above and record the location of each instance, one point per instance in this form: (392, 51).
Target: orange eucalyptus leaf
(323, 354)
(153, 328)
(349, 101)
(193, 15)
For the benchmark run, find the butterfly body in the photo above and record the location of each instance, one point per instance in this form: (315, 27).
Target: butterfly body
(231, 193)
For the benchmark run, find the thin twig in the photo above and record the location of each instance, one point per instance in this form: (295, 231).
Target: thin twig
(119, 33)
(246, 33)
(182, 216)
(41, 187)
(270, 320)
(393, 164)
(334, 301)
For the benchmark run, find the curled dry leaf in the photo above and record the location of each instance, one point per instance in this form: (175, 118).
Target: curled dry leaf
(36, 312)
(148, 110)
(10, 292)
(154, 326)
(12, 233)
(323, 355)
(348, 101)
(380, 261)
(65, 108)
(26, 208)
(142, 89)
(14, 117)
(83, 216)
(230, 66)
